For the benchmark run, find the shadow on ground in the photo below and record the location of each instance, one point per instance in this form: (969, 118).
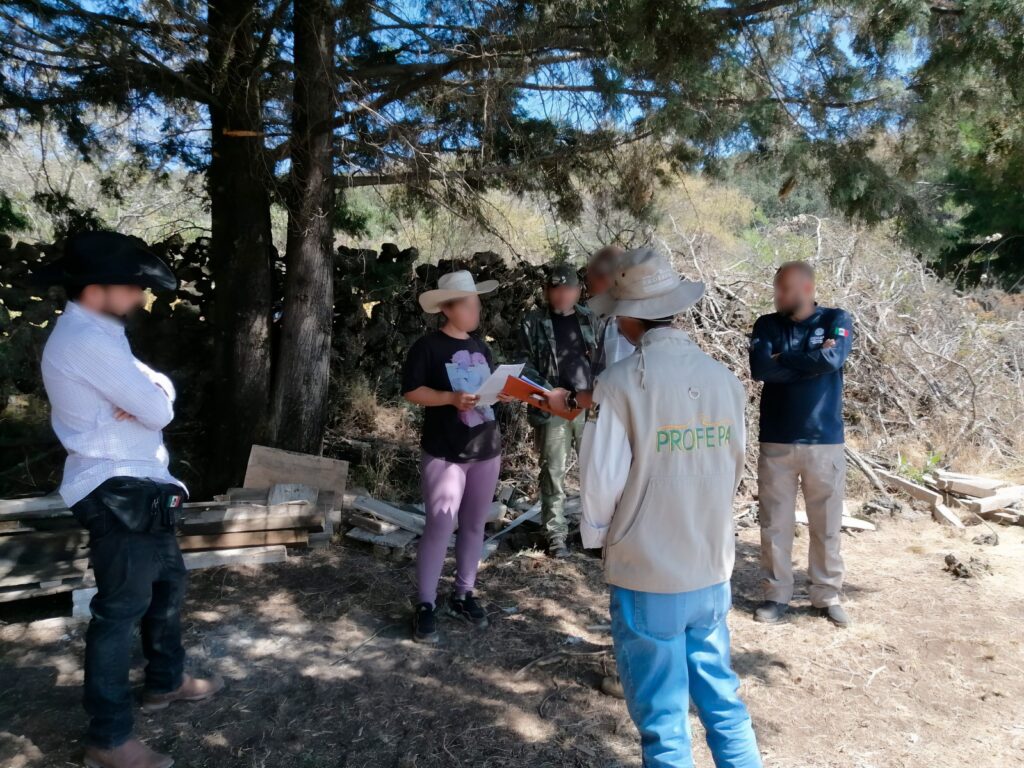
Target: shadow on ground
(321, 673)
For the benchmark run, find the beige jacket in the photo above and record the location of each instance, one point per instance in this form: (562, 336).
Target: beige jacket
(661, 467)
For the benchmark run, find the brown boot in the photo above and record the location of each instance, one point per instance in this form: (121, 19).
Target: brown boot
(132, 754)
(612, 686)
(191, 689)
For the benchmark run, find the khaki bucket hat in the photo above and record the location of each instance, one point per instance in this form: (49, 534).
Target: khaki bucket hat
(645, 286)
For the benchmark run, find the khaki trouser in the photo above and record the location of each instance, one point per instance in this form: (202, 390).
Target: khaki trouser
(556, 438)
(820, 472)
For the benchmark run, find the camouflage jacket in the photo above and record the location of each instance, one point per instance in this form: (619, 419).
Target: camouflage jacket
(537, 348)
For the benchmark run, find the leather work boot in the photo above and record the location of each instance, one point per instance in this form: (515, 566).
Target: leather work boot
(132, 754)
(612, 686)
(836, 614)
(191, 689)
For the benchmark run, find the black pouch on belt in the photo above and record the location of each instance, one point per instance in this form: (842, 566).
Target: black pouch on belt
(141, 505)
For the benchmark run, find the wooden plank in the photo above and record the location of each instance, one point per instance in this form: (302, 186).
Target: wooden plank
(195, 561)
(372, 524)
(27, 551)
(978, 487)
(84, 588)
(945, 474)
(848, 522)
(398, 538)
(246, 539)
(947, 516)
(911, 488)
(239, 509)
(26, 591)
(1006, 517)
(491, 543)
(1006, 497)
(319, 541)
(327, 511)
(252, 517)
(283, 493)
(50, 502)
(269, 466)
(407, 520)
(33, 507)
(255, 495)
(208, 504)
(13, 527)
(42, 572)
(268, 521)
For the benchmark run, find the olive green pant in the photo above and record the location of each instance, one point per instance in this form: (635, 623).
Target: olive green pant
(555, 439)
(820, 472)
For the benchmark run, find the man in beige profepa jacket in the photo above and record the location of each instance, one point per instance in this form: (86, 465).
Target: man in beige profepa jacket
(658, 479)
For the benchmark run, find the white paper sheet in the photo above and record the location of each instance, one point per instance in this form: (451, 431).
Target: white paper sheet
(491, 388)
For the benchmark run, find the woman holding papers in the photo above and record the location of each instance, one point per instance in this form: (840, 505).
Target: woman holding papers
(461, 447)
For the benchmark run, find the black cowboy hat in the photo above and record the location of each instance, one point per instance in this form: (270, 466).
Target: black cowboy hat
(106, 258)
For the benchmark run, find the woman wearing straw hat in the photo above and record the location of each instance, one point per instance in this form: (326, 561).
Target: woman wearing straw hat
(461, 447)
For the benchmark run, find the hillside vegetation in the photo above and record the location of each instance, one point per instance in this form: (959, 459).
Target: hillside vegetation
(935, 377)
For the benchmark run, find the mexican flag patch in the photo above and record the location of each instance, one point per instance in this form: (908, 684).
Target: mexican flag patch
(842, 332)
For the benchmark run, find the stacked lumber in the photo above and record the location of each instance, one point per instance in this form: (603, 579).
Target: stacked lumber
(287, 500)
(393, 529)
(945, 492)
(43, 550)
(285, 513)
(987, 497)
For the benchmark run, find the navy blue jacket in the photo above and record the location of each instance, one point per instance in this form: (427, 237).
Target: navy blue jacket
(802, 399)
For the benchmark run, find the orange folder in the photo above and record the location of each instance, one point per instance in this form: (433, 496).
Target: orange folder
(531, 394)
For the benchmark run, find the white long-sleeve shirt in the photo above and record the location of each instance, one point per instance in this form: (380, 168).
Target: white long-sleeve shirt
(89, 372)
(606, 468)
(605, 457)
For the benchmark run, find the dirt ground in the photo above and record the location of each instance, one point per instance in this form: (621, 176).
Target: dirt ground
(321, 673)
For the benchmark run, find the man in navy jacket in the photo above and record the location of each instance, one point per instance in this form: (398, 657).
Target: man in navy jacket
(799, 352)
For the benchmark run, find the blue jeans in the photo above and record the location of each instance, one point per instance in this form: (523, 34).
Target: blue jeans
(140, 580)
(672, 648)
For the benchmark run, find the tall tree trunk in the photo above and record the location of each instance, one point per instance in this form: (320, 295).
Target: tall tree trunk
(303, 365)
(241, 249)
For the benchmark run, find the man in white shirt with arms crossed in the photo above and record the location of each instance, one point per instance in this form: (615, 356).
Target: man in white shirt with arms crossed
(108, 410)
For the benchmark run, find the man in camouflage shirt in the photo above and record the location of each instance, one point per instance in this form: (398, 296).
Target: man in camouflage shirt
(558, 344)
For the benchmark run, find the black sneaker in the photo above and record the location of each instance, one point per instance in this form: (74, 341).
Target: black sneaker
(424, 624)
(468, 609)
(770, 612)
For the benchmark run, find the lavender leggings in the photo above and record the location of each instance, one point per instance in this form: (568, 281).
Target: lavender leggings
(453, 492)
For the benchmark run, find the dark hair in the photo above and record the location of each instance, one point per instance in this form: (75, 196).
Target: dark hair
(800, 266)
(74, 292)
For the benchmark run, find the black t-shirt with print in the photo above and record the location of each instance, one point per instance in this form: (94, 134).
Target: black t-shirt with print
(447, 364)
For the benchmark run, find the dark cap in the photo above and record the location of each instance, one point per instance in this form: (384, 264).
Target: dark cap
(563, 274)
(106, 258)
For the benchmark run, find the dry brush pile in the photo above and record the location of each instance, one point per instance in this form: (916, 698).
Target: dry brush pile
(935, 377)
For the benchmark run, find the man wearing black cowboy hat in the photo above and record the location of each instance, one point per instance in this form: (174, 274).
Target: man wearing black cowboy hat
(108, 410)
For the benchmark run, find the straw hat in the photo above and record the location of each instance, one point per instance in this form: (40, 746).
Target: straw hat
(455, 285)
(645, 286)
